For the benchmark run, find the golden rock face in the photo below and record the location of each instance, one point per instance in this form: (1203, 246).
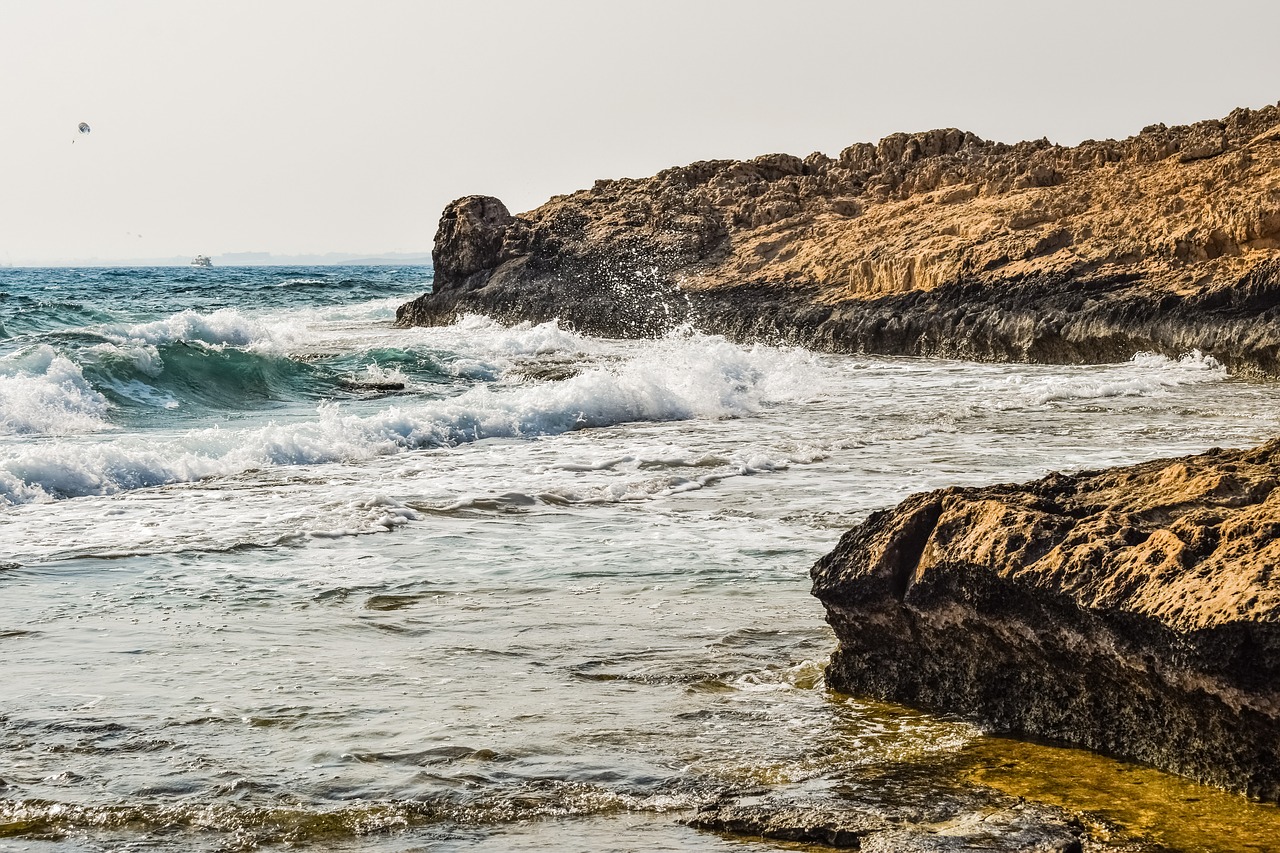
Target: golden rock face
(1181, 207)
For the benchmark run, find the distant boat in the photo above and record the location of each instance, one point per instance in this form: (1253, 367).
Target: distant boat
(201, 261)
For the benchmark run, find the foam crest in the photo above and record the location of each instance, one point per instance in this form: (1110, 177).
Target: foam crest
(49, 472)
(674, 379)
(281, 332)
(226, 327)
(43, 392)
(280, 329)
(373, 310)
(376, 374)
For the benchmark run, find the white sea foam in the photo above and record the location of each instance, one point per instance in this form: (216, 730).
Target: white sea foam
(376, 374)
(676, 379)
(43, 392)
(1146, 374)
(489, 336)
(479, 348)
(280, 331)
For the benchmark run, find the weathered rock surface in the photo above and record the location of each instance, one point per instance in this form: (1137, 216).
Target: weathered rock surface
(934, 243)
(1133, 611)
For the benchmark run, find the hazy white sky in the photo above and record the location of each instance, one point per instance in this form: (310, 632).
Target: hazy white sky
(317, 126)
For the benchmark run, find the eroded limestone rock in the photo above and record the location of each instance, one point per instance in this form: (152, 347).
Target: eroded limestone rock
(1160, 226)
(1133, 611)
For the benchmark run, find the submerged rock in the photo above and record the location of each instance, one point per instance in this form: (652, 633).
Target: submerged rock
(1133, 611)
(935, 243)
(1015, 828)
(932, 819)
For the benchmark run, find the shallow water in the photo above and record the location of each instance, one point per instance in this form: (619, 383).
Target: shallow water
(277, 573)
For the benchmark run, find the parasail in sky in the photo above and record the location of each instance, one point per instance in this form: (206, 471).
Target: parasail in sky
(84, 127)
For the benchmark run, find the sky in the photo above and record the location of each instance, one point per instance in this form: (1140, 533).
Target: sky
(318, 126)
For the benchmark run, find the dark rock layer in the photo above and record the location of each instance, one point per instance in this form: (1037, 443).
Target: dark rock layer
(1133, 611)
(1047, 320)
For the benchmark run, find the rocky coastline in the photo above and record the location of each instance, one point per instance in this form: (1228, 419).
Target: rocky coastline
(1134, 611)
(936, 243)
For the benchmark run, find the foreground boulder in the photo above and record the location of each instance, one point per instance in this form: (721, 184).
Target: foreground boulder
(935, 243)
(1133, 611)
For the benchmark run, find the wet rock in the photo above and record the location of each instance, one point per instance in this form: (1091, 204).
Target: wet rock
(380, 387)
(1133, 611)
(1052, 319)
(928, 243)
(977, 819)
(803, 822)
(546, 371)
(1022, 828)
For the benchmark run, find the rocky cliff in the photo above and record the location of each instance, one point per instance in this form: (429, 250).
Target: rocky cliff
(936, 243)
(1133, 611)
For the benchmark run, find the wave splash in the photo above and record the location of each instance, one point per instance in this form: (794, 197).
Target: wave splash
(43, 392)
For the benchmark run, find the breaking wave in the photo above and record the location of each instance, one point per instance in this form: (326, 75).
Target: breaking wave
(677, 379)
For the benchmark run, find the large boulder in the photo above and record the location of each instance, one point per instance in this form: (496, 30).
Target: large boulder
(469, 238)
(1133, 611)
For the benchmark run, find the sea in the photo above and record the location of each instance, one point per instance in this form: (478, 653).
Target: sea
(276, 574)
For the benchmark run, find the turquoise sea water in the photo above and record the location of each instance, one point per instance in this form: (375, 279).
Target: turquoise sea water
(275, 573)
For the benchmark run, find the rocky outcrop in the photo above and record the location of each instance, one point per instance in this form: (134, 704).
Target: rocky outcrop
(1134, 611)
(936, 243)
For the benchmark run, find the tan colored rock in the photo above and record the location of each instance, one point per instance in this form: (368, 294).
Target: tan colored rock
(1134, 611)
(826, 252)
